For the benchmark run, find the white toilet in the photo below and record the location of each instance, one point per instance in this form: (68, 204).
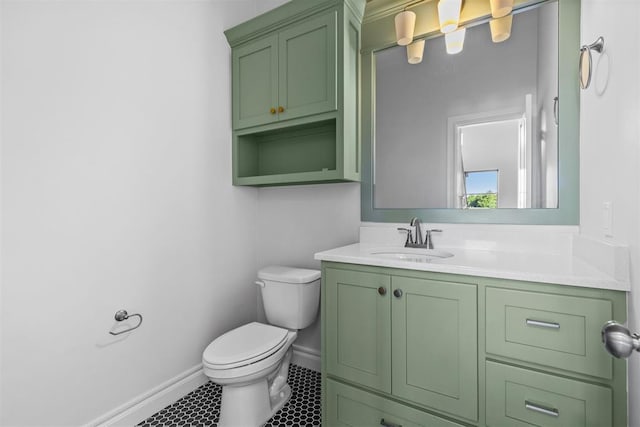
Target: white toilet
(251, 362)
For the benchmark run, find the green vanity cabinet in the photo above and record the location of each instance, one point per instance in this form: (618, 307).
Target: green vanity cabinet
(411, 338)
(416, 348)
(295, 94)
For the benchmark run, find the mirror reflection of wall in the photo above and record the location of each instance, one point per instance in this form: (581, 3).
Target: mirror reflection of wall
(420, 109)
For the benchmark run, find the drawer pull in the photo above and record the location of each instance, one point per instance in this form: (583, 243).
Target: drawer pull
(388, 424)
(541, 324)
(541, 409)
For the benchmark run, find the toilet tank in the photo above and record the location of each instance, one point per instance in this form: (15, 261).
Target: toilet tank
(290, 296)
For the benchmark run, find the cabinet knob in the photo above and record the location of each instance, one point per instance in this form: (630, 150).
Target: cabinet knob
(397, 293)
(281, 109)
(382, 290)
(272, 110)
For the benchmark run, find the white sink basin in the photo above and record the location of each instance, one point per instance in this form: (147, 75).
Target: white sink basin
(410, 254)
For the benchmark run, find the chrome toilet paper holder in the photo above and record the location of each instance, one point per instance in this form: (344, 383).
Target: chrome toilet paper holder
(122, 315)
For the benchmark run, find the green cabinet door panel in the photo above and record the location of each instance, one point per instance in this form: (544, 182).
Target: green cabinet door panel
(358, 327)
(553, 330)
(520, 397)
(307, 58)
(348, 406)
(255, 82)
(434, 347)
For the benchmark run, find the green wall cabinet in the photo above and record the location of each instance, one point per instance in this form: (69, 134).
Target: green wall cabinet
(413, 348)
(296, 95)
(287, 75)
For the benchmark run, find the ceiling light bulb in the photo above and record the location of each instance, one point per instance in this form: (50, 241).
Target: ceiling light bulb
(449, 14)
(500, 8)
(501, 28)
(415, 51)
(405, 25)
(454, 41)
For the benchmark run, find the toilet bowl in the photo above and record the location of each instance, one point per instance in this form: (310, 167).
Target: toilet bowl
(251, 362)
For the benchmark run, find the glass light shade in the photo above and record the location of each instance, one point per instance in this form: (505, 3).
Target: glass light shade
(454, 41)
(415, 51)
(501, 28)
(500, 8)
(449, 14)
(405, 25)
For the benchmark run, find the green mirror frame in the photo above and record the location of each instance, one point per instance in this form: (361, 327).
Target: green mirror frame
(378, 33)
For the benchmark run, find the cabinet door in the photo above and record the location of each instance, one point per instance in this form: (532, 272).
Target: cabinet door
(255, 83)
(435, 348)
(307, 55)
(358, 328)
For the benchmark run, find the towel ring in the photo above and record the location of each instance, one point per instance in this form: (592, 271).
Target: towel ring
(123, 315)
(585, 63)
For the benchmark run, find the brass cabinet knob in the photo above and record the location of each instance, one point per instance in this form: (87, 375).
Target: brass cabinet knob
(281, 109)
(272, 110)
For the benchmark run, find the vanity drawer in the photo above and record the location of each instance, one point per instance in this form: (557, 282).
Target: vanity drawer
(519, 397)
(348, 406)
(548, 329)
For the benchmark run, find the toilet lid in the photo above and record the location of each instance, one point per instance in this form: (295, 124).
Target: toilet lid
(244, 344)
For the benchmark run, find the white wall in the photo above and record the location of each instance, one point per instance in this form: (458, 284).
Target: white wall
(296, 222)
(609, 152)
(116, 193)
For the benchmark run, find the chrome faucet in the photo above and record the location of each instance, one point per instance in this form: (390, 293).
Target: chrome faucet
(418, 241)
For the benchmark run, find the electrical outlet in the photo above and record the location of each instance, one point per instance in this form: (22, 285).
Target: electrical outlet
(607, 219)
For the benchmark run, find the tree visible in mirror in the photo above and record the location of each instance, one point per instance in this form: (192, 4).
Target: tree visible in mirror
(487, 200)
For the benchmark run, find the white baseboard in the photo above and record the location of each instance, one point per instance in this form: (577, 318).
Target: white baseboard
(306, 357)
(143, 406)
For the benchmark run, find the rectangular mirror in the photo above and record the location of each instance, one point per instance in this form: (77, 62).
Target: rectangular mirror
(488, 135)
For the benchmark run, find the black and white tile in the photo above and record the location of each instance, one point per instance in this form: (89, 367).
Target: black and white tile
(201, 407)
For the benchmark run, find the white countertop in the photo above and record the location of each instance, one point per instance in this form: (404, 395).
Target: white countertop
(534, 267)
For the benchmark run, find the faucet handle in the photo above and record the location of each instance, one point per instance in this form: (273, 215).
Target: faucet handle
(427, 239)
(409, 240)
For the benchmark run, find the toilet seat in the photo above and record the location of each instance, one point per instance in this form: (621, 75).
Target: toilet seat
(244, 346)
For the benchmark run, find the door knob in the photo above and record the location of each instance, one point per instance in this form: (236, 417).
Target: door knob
(618, 340)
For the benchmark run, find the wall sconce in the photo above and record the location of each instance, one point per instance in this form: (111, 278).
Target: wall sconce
(454, 41)
(449, 15)
(415, 51)
(500, 8)
(405, 25)
(501, 28)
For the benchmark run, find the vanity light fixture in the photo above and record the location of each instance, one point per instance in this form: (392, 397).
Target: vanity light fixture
(405, 25)
(501, 28)
(449, 15)
(454, 41)
(415, 51)
(500, 8)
